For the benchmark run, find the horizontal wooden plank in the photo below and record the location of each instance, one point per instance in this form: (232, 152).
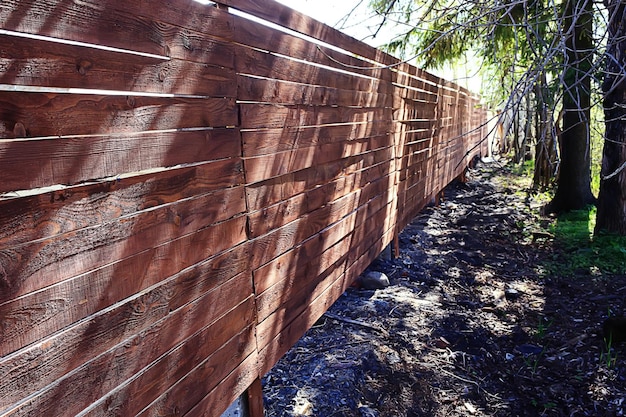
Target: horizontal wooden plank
(37, 315)
(279, 214)
(264, 167)
(150, 26)
(303, 277)
(268, 141)
(255, 36)
(131, 355)
(210, 354)
(175, 309)
(217, 401)
(208, 378)
(38, 163)
(283, 303)
(51, 114)
(284, 16)
(265, 193)
(273, 244)
(27, 61)
(262, 64)
(35, 265)
(290, 335)
(286, 264)
(283, 92)
(260, 116)
(48, 214)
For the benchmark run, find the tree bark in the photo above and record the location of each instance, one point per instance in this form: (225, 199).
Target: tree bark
(574, 181)
(611, 215)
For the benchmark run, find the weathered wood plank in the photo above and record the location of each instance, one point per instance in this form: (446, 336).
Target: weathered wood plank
(287, 17)
(24, 219)
(37, 315)
(172, 310)
(273, 244)
(257, 116)
(262, 64)
(35, 265)
(281, 309)
(268, 141)
(283, 92)
(312, 248)
(279, 214)
(209, 378)
(149, 26)
(265, 193)
(264, 167)
(52, 114)
(222, 396)
(26, 61)
(36, 163)
(211, 353)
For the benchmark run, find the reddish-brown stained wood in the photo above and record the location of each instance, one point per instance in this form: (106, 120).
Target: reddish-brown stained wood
(295, 301)
(37, 315)
(40, 263)
(268, 166)
(268, 141)
(269, 246)
(287, 17)
(262, 64)
(217, 349)
(222, 396)
(77, 114)
(283, 92)
(44, 215)
(25, 61)
(271, 191)
(171, 311)
(150, 26)
(256, 116)
(209, 377)
(255, 399)
(279, 214)
(39, 163)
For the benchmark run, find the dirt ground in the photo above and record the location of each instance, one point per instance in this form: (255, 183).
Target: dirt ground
(473, 324)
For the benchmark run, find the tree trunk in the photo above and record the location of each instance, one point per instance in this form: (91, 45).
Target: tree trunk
(574, 182)
(612, 198)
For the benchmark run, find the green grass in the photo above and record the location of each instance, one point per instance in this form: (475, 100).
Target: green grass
(578, 250)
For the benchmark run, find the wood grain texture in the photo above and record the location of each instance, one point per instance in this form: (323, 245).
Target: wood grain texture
(48, 214)
(45, 162)
(267, 141)
(265, 90)
(181, 303)
(39, 314)
(211, 353)
(257, 116)
(269, 166)
(51, 114)
(148, 26)
(26, 62)
(37, 264)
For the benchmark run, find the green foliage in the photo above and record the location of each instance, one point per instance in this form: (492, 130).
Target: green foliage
(577, 250)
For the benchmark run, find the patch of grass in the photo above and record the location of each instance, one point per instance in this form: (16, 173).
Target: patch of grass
(579, 251)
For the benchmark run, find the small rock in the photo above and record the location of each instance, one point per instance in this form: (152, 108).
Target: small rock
(527, 349)
(511, 294)
(374, 280)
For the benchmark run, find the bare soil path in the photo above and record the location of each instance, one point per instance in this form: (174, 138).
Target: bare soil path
(476, 322)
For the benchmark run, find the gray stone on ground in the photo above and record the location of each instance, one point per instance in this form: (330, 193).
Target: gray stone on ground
(374, 280)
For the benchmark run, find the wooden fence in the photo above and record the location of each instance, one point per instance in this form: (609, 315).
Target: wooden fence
(185, 191)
